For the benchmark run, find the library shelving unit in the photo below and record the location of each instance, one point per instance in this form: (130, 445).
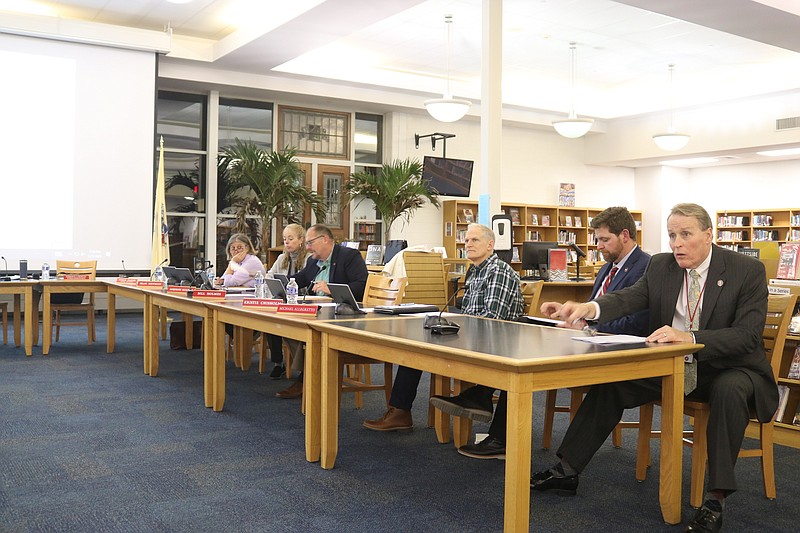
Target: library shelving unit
(531, 222)
(367, 232)
(786, 432)
(737, 229)
(457, 216)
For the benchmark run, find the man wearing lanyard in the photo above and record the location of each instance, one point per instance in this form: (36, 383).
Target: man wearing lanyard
(615, 233)
(699, 293)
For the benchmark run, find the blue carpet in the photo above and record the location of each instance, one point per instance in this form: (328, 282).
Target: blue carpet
(90, 443)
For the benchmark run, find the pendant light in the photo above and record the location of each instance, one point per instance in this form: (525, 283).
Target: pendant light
(447, 108)
(671, 140)
(572, 127)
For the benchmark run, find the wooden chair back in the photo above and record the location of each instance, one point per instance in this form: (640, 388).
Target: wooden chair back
(427, 281)
(383, 290)
(76, 269)
(779, 315)
(531, 293)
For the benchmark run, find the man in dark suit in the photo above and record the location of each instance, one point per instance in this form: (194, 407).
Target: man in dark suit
(327, 263)
(615, 233)
(699, 293)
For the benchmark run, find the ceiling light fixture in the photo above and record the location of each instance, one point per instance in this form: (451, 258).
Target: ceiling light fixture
(690, 162)
(447, 108)
(572, 127)
(671, 140)
(780, 153)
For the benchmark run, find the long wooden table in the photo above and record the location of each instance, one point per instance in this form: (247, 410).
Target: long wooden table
(24, 288)
(519, 359)
(53, 286)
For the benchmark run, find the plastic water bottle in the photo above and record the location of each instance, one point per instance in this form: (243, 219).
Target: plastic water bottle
(261, 286)
(45, 271)
(212, 275)
(291, 292)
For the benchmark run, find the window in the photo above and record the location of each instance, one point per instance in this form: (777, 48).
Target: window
(181, 122)
(314, 132)
(368, 139)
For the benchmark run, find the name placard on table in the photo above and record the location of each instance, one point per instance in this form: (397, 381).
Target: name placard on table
(149, 283)
(210, 294)
(298, 309)
(128, 281)
(180, 289)
(264, 304)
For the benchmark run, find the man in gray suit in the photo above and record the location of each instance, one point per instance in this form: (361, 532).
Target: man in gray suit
(699, 293)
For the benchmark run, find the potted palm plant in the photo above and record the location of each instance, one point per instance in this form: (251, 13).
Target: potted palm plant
(397, 191)
(275, 183)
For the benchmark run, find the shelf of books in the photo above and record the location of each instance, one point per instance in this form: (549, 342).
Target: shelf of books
(787, 417)
(367, 232)
(457, 215)
(741, 229)
(531, 222)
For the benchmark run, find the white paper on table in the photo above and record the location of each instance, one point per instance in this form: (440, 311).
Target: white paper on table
(612, 339)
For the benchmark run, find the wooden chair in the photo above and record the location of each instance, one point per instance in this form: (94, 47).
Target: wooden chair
(60, 302)
(779, 314)
(354, 370)
(427, 281)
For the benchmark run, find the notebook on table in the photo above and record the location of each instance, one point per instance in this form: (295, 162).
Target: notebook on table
(403, 309)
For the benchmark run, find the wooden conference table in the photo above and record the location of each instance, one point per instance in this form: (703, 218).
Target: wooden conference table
(20, 288)
(520, 359)
(53, 286)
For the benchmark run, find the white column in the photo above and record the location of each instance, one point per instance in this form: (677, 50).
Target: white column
(491, 109)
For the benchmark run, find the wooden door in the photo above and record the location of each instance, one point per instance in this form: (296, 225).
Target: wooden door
(331, 180)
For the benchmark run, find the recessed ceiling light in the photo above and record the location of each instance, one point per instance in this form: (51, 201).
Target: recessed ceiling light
(28, 7)
(690, 162)
(179, 1)
(778, 153)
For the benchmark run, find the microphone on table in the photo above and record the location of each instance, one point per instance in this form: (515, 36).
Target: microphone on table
(440, 325)
(580, 253)
(124, 272)
(313, 281)
(5, 272)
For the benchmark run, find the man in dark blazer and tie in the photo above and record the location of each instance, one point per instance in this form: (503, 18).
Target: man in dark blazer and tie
(328, 262)
(615, 233)
(732, 372)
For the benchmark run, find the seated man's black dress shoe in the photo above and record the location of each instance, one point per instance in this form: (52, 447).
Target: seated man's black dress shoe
(547, 481)
(488, 448)
(705, 521)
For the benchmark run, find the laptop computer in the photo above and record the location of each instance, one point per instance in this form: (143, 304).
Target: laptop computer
(276, 288)
(402, 309)
(178, 275)
(346, 302)
(283, 277)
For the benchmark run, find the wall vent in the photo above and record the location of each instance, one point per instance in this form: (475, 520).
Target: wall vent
(787, 123)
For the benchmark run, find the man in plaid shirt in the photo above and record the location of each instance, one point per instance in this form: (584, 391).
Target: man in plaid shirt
(492, 290)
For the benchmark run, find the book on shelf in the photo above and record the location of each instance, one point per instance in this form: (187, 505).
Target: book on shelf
(515, 254)
(534, 235)
(545, 220)
(794, 368)
(578, 222)
(513, 212)
(469, 217)
(796, 421)
(374, 254)
(568, 220)
(557, 262)
(534, 219)
(783, 399)
(787, 261)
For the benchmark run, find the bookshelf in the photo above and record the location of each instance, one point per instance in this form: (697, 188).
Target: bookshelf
(367, 232)
(457, 215)
(738, 229)
(533, 222)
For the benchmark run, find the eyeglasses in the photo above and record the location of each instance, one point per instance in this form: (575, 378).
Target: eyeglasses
(309, 241)
(239, 248)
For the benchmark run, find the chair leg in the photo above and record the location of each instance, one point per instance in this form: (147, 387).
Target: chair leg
(643, 444)
(767, 459)
(549, 415)
(699, 458)
(287, 360)
(90, 325)
(58, 325)
(5, 323)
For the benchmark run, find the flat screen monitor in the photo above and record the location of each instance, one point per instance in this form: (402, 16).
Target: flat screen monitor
(178, 275)
(343, 297)
(450, 177)
(535, 257)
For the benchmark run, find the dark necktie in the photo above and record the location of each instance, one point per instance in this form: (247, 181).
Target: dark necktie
(607, 282)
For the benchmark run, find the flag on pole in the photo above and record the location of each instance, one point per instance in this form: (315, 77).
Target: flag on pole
(160, 226)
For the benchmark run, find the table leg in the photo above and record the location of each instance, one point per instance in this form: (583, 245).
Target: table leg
(441, 420)
(34, 322)
(154, 341)
(462, 426)
(208, 361)
(518, 462)
(671, 446)
(148, 332)
(218, 363)
(111, 322)
(188, 322)
(17, 302)
(330, 404)
(31, 321)
(312, 393)
(47, 321)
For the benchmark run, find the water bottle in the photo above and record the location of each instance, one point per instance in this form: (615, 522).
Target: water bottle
(159, 275)
(261, 286)
(45, 271)
(212, 275)
(291, 292)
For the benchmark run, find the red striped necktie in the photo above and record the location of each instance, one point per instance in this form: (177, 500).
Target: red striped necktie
(607, 282)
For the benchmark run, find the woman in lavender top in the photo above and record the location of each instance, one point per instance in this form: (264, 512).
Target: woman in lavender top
(243, 264)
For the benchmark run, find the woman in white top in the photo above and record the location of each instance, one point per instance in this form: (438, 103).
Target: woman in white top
(288, 263)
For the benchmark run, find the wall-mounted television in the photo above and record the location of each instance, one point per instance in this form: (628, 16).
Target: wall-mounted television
(450, 177)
